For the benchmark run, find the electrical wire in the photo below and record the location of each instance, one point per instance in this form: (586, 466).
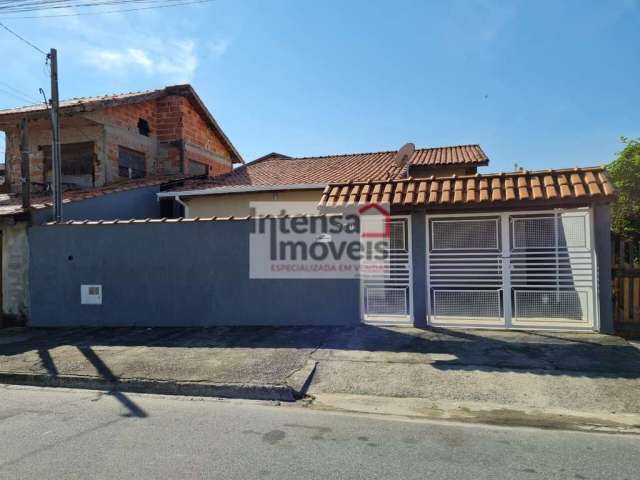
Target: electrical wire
(22, 98)
(171, 3)
(39, 5)
(22, 38)
(19, 92)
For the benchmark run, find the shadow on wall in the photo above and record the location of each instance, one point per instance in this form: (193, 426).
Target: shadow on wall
(580, 355)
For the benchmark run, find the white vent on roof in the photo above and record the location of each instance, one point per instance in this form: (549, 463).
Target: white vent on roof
(91, 294)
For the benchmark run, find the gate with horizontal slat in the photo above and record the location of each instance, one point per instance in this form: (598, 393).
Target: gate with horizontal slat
(512, 270)
(386, 290)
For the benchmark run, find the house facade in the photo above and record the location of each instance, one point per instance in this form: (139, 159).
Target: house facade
(523, 250)
(112, 138)
(118, 152)
(528, 250)
(150, 176)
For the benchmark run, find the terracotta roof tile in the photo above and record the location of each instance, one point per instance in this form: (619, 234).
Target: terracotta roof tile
(558, 186)
(523, 190)
(484, 190)
(445, 194)
(471, 154)
(496, 190)
(422, 192)
(469, 190)
(509, 190)
(565, 191)
(278, 170)
(410, 196)
(592, 184)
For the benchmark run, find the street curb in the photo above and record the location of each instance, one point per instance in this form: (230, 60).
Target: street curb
(283, 393)
(300, 380)
(479, 413)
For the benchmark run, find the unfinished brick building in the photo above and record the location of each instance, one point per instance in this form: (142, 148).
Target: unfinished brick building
(110, 138)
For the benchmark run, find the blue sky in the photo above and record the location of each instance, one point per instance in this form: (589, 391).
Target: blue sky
(545, 84)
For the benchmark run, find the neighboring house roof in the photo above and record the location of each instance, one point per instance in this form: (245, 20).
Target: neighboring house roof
(561, 186)
(88, 104)
(12, 204)
(275, 170)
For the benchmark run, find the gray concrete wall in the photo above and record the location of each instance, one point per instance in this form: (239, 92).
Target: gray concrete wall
(15, 270)
(602, 233)
(177, 274)
(134, 203)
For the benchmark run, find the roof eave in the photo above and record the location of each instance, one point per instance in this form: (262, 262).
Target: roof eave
(231, 189)
(504, 205)
(82, 107)
(9, 117)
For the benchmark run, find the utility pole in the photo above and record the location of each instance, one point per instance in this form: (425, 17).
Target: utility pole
(55, 145)
(25, 178)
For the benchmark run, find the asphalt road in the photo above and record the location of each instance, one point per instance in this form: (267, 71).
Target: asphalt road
(47, 433)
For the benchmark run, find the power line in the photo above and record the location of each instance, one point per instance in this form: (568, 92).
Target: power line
(40, 5)
(19, 92)
(23, 39)
(106, 12)
(20, 97)
(29, 6)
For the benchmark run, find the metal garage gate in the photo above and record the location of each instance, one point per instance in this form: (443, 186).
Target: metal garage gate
(386, 290)
(512, 270)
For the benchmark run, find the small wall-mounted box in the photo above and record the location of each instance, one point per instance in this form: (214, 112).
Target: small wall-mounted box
(91, 294)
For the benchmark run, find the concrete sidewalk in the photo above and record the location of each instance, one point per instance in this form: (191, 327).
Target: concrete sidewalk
(583, 381)
(488, 376)
(252, 363)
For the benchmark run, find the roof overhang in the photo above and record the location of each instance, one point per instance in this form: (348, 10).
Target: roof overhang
(241, 189)
(549, 188)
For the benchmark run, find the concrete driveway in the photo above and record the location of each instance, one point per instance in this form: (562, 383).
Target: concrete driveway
(355, 368)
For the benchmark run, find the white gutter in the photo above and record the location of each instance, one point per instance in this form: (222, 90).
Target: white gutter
(241, 189)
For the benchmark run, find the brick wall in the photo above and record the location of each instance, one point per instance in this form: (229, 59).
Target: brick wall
(177, 135)
(195, 131)
(127, 116)
(168, 118)
(40, 135)
(189, 137)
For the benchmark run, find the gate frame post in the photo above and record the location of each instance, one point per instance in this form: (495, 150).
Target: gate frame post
(604, 290)
(505, 240)
(419, 285)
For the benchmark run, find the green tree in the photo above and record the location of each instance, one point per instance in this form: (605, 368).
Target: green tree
(625, 173)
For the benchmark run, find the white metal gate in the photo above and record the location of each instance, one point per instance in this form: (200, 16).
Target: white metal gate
(512, 270)
(386, 290)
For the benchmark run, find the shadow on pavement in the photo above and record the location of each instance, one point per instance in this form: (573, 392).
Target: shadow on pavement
(106, 374)
(543, 353)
